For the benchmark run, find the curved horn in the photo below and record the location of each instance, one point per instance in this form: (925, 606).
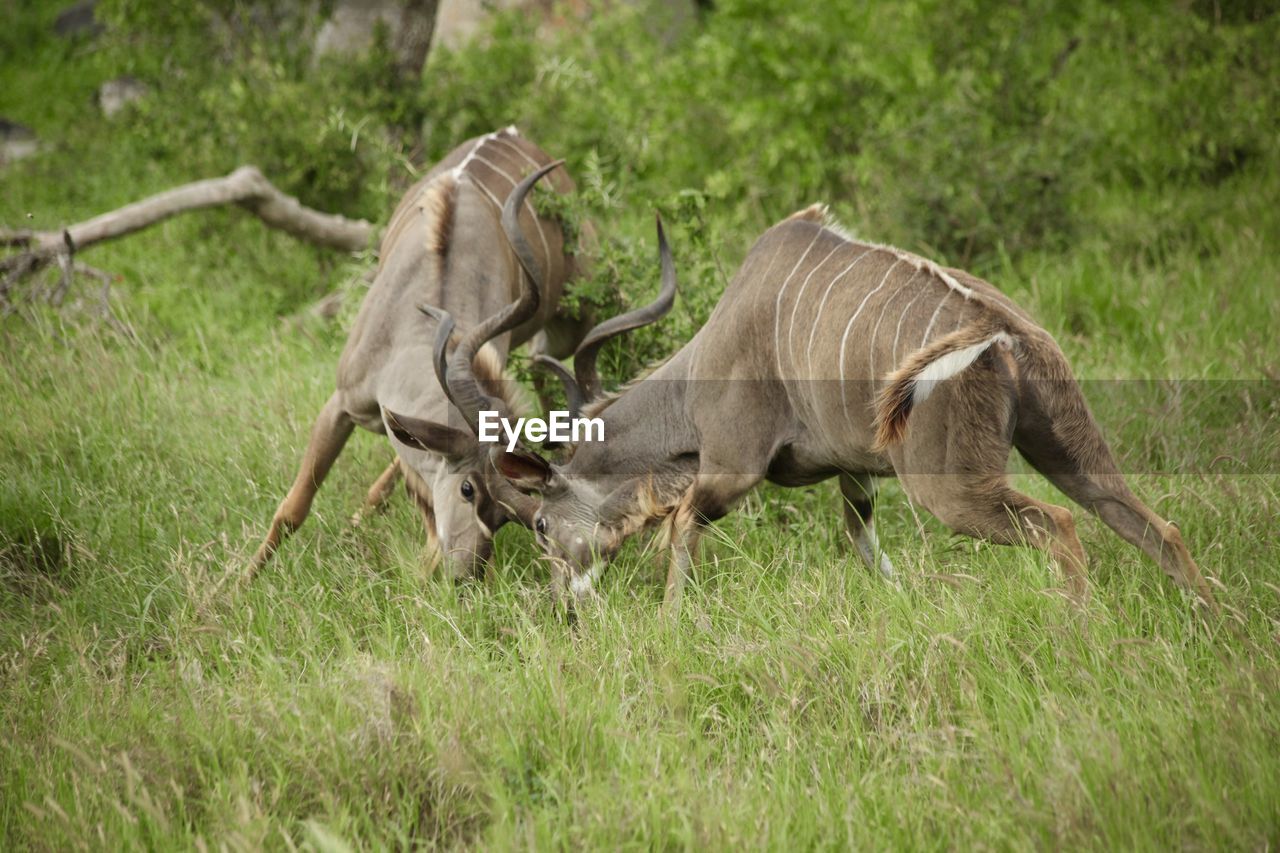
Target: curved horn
(456, 371)
(440, 352)
(584, 359)
(511, 224)
(572, 391)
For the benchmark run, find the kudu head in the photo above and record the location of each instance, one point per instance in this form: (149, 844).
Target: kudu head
(583, 516)
(469, 499)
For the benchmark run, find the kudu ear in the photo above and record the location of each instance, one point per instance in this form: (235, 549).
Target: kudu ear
(429, 435)
(526, 472)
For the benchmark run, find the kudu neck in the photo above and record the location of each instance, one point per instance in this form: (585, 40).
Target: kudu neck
(645, 427)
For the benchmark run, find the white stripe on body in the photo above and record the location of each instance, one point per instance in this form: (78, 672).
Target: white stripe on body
(903, 316)
(498, 206)
(693, 361)
(822, 304)
(844, 339)
(813, 391)
(929, 328)
(800, 298)
(912, 259)
(871, 344)
(777, 304)
(546, 250)
(532, 162)
(458, 169)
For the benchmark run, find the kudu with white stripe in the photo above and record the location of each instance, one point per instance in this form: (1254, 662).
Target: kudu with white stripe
(451, 244)
(829, 357)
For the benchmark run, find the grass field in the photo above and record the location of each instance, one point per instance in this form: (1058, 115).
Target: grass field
(349, 699)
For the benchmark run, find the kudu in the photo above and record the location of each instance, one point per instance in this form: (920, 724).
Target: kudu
(451, 243)
(830, 357)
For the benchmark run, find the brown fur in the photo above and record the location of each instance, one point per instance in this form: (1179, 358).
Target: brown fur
(953, 460)
(493, 378)
(813, 213)
(895, 401)
(436, 204)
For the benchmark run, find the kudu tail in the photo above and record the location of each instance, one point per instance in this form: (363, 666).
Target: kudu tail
(913, 382)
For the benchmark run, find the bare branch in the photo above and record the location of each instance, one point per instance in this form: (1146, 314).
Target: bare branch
(245, 186)
(21, 237)
(93, 272)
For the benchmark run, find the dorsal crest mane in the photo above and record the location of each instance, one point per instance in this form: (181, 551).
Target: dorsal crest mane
(821, 216)
(436, 202)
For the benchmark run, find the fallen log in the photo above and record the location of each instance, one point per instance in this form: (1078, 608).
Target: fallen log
(246, 187)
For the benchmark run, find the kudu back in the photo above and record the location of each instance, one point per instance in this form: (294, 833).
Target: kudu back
(456, 241)
(831, 357)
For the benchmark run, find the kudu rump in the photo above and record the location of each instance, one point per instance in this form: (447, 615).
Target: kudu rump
(455, 244)
(829, 357)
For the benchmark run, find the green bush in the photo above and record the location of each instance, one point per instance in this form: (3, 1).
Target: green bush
(980, 134)
(983, 135)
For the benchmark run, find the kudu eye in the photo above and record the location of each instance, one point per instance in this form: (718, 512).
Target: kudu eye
(468, 491)
(541, 526)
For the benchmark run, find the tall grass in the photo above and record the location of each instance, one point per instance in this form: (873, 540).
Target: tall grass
(348, 697)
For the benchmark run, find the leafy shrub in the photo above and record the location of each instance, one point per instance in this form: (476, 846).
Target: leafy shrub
(978, 133)
(974, 132)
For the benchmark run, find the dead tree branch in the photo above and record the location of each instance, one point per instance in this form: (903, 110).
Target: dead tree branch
(246, 187)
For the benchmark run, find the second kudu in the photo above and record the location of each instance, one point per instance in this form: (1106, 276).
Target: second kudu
(829, 357)
(455, 244)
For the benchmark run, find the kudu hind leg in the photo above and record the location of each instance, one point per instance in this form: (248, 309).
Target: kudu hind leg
(994, 511)
(381, 489)
(1090, 476)
(953, 462)
(329, 435)
(858, 495)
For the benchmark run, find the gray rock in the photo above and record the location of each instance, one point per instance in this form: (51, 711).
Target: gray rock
(115, 95)
(16, 141)
(459, 21)
(350, 29)
(78, 20)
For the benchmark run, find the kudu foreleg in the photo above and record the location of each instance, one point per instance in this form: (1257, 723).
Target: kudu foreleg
(329, 435)
(420, 493)
(712, 495)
